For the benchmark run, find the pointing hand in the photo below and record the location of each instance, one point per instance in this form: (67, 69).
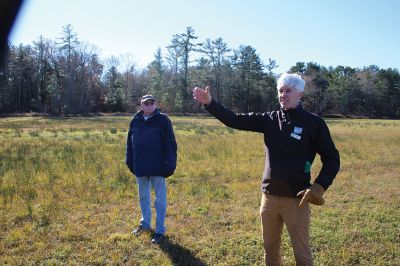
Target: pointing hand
(203, 96)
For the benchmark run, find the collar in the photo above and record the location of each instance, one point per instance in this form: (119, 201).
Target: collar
(291, 111)
(140, 114)
(288, 114)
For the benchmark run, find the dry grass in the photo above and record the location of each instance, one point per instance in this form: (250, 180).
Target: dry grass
(66, 196)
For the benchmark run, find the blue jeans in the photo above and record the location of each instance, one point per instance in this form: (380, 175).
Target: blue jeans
(160, 203)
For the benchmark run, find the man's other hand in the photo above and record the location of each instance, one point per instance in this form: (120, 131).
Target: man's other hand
(312, 195)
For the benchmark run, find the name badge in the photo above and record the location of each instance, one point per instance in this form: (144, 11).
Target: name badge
(295, 136)
(297, 130)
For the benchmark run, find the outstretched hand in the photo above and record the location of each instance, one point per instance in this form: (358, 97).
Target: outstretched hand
(203, 96)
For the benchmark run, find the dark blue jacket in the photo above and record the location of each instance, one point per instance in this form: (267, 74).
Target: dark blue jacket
(151, 146)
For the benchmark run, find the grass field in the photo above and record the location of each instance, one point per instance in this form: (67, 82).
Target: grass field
(66, 197)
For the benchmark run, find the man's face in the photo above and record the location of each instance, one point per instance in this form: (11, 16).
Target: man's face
(148, 107)
(289, 97)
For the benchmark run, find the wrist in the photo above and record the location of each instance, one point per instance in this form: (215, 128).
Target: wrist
(317, 190)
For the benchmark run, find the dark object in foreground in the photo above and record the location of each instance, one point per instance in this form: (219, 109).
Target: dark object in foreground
(8, 12)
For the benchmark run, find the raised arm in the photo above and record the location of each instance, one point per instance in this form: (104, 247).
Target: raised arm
(245, 121)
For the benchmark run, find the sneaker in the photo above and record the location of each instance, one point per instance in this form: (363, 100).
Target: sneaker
(140, 229)
(157, 238)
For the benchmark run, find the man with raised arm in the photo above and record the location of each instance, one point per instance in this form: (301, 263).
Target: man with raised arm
(292, 137)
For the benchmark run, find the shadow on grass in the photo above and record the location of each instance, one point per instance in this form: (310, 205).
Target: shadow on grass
(179, 255)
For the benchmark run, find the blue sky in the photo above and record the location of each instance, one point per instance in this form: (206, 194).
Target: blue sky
(354, 33)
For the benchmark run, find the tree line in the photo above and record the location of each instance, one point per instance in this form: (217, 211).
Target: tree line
(67, 77)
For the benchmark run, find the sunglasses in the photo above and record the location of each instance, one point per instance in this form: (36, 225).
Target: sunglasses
(149, 103)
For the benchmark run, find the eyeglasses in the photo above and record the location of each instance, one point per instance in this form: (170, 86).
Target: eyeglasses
(149, 103)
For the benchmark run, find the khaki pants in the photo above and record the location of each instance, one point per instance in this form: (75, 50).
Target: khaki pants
(276, 211)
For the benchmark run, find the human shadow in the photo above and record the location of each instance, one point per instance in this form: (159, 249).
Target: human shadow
(179, 255)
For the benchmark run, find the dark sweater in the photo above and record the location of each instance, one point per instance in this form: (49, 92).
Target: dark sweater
(292, 139)
(151, 148)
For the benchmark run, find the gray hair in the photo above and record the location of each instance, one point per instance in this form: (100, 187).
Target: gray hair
(291, 80)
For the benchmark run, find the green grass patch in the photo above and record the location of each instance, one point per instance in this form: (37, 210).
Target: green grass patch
(67, 198)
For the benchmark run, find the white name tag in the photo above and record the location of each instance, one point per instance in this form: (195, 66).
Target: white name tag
(295, 136)
(297, 130)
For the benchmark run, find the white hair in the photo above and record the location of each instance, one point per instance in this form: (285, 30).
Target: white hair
(291, 80)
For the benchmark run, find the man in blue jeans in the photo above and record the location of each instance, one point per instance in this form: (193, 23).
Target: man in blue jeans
(151, 156)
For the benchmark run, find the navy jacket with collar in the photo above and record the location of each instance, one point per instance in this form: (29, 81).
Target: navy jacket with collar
(151, 148)
(292, 138)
